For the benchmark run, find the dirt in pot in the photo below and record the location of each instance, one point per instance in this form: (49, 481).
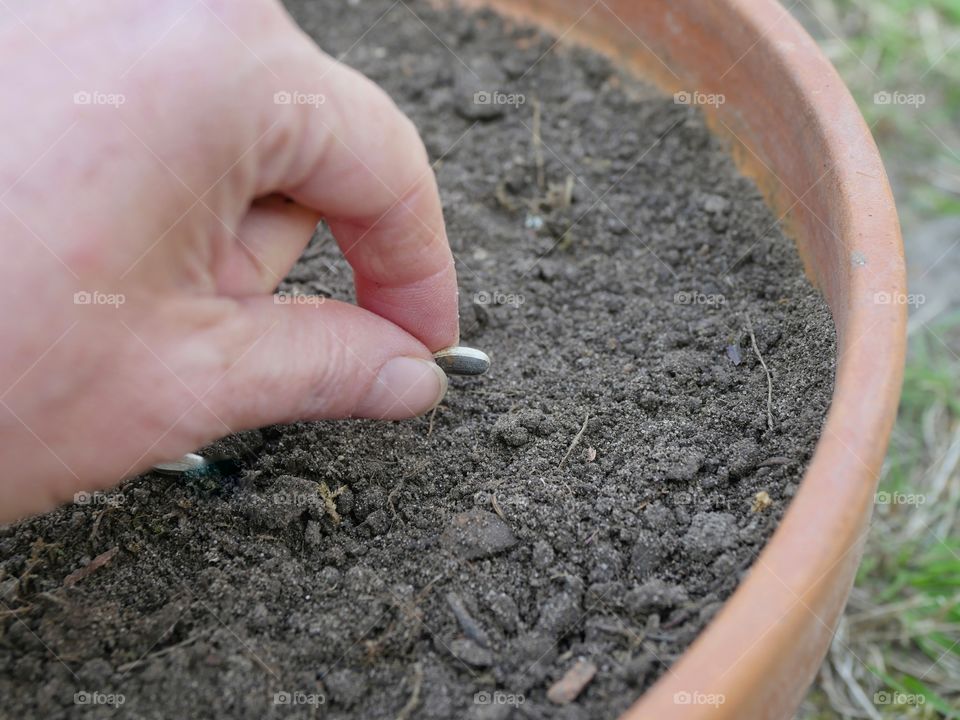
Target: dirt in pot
(555, 535)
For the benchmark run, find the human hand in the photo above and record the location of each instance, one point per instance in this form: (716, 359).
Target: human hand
(163, 167)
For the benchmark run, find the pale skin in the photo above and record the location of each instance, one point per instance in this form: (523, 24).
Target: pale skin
(173, 196)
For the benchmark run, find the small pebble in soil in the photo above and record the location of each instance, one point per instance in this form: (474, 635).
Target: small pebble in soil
(461, 360)
(471, 628)
(567, 688)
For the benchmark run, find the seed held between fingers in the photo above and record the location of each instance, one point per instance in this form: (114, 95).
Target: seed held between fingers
(460, 360)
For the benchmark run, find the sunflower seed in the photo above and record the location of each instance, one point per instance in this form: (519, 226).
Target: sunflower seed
(461, 360)
(191, 462)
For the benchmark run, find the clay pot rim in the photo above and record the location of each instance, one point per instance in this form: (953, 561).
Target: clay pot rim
(761, 651)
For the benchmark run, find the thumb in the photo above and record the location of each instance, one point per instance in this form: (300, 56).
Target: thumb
(283, 359)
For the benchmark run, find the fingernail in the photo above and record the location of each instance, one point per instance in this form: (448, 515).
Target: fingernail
(405, 387)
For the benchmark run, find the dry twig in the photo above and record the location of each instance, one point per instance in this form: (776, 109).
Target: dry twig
(538, 147)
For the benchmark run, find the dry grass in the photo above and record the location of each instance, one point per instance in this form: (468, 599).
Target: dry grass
(897, 650)
(896, 653)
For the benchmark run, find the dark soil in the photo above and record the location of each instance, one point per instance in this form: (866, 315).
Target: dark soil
(399, 569)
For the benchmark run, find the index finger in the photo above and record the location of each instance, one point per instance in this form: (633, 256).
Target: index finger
(361, 163)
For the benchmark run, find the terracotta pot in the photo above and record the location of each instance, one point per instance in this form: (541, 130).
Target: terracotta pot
(793, 127)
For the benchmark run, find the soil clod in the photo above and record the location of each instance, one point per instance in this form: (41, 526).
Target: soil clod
(477, 534)
(471, 653)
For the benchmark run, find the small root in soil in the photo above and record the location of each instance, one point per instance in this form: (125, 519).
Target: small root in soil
(496, 506)
(414, 700)
(576, 441)
(91, 567)
(756, 349)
